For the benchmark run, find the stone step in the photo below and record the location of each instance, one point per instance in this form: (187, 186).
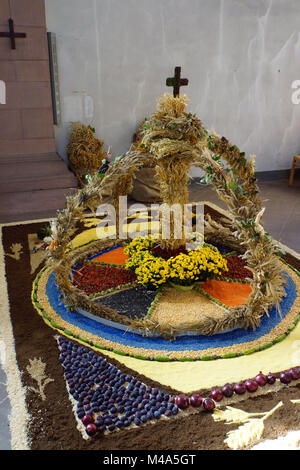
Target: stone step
(34, 172)
(29, 205)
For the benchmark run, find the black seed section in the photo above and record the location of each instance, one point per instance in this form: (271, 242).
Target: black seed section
(134, 302)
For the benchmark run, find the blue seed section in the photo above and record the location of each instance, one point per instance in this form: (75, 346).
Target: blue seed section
(115, 400)
(189, 343)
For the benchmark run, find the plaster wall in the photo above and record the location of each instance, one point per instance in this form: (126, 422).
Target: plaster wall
(241, 58)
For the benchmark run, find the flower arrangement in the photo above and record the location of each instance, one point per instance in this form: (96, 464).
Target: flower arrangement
(184, 269)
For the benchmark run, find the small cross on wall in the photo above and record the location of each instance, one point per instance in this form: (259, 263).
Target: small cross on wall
(176, 82)
(11, 34)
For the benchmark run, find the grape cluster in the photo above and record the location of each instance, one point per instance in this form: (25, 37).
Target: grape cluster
(108, 399)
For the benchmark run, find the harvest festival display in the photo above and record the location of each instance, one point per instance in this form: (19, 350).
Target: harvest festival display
(159, 298)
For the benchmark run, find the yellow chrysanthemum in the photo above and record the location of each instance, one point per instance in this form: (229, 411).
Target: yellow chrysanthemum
(185, 268)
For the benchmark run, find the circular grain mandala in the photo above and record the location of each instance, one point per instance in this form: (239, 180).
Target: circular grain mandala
(117, 290)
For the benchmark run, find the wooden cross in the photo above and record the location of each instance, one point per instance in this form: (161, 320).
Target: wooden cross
(11, 34)
(176, 82)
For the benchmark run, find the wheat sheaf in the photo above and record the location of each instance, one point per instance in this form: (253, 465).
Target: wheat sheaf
(251, 429)
(36, 369)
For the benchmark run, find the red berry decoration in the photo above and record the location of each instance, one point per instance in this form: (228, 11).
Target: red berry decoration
(208, 404)
(87, 419)
(216, 394)
(285, 377)
(182, 401)
(261, 379)
(196, 400)
(91, 429)
(237, 269)
(295, 373)
(227, 390)
(240, 388)
(251, 385)
(96, 278)
(271, 378)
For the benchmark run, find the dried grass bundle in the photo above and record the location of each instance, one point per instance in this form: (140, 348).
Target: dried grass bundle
(85, 152)
(172, 106)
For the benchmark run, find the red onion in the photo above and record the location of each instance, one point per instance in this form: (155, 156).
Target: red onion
(227, 390)
(208, 404)
(271, 378)
(196, 400)
(182, 401)
(240, 388)
(251, 385)
(261, 379)
(91, 429)
(285, 377)
(216, 394)
(87, 419)
(295, 373)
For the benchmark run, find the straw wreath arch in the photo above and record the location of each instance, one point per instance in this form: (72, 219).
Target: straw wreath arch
(171, 141)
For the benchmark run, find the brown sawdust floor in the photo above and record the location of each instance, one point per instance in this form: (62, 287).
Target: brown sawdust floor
(53, 424)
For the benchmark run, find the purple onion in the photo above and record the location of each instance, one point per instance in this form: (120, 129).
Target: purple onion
(251, 385)
(261, 379)
(271, 378)
(196, 400)
(91, 429)
(285, 377)
(216, 394)
(182, 401)
(227, 390)
(208, 404)
(295, 373)
(240, 388)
